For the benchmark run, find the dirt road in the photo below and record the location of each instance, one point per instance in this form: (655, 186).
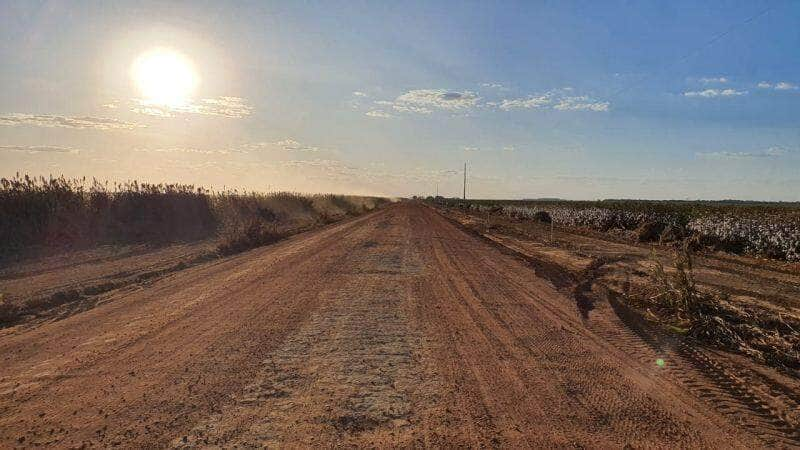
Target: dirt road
(395, 328)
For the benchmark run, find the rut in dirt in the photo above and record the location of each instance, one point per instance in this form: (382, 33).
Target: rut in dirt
(396, 328)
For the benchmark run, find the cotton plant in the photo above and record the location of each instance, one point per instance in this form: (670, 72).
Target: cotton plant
(767, 235)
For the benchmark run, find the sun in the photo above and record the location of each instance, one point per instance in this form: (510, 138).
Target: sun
(164, 77)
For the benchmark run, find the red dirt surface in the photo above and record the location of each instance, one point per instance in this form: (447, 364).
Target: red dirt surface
(396, 328)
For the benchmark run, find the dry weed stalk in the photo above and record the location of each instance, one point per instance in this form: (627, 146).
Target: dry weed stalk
(713, 318)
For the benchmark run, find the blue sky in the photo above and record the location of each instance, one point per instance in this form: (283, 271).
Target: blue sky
(542, 99)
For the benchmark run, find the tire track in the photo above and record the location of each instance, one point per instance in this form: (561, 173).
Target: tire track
(765, 410)
(397, 329)
(354, 371)
(589, 412)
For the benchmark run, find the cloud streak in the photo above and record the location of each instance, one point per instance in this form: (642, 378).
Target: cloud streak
(50, 121)
(32, 149)
(425, 101)
(581, 103)
(507, 148)
(772, 152)
(711, 93)
(779, 86)
(714, 80)
(428, 101)
(533, 101)
(232, 107)
(559, 99)
(498, 86)
(379, 114)
(184, 150)
(287, 145)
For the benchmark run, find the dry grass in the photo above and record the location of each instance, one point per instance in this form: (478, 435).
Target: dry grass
(60, 213)
(251, 220)
(714, 319)
(255, 234)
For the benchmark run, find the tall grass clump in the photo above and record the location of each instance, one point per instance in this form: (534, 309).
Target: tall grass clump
(67, 212)
(38, 212)
(249, 220)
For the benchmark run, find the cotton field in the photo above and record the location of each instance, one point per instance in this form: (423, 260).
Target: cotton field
(773, 233)
(766, 236)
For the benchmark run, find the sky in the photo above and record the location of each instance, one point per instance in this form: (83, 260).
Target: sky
(568, 99)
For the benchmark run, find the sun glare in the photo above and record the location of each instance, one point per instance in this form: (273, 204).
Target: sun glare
(164, 77)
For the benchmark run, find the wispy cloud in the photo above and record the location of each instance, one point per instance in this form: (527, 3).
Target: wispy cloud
(497, 86)
(714, 80)
(233, 107)
(41, 120)
(224, 106)
(581, 103)
(533, 101)
(288, 145)
(425, 101)
(292, 145)
(507, 148)
(785, 86)
(156, 111)
(772, 152)
(358, 99)
(113, 104)
(558, 99)
(779, 86)
(379, 114)
(38, 149)
(711, 93)
(323, 163)
(185, 150)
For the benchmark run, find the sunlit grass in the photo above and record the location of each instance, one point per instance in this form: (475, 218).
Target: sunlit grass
(60, 212)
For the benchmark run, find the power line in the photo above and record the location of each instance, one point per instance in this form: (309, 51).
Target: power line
(687, 56)
(697, 50)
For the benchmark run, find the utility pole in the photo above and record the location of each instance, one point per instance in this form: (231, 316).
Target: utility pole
(465, 182)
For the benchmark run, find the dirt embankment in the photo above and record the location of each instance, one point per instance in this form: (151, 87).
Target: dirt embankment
(596, 271)
(61, 282)
(744, 304)
(392, 329)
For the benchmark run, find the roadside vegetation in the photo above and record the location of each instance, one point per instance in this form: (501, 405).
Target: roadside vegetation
(41, 217)
(754, 316)
(713, 318)
(39, 213)
(761, 229)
